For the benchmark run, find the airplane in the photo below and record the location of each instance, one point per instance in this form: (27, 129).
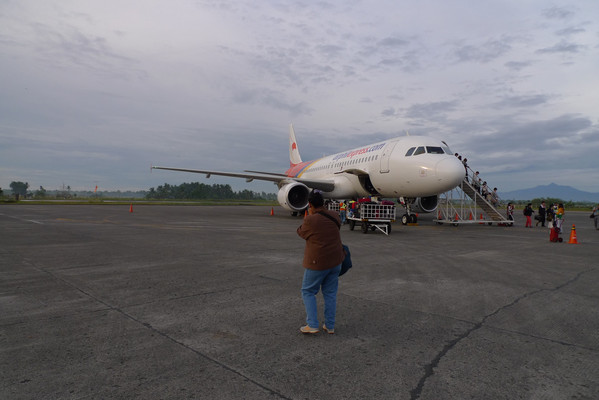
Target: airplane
(413, 169)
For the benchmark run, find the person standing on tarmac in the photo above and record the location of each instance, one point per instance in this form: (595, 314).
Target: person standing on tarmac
(541, 219)
(342, 211)
(559, 216)
(322, 262)
(528, 213)
(510, 211)
(549, 216)
(595, 216)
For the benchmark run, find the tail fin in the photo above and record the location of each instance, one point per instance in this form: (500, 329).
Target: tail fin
(294, 155)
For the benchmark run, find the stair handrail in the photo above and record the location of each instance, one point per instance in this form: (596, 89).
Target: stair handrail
(470, 174)
(480, 196)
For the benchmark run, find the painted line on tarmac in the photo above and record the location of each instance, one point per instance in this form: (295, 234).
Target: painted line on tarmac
(23, 219)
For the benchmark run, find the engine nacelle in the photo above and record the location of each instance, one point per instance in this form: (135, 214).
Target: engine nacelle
(294, 196)
(425, 204)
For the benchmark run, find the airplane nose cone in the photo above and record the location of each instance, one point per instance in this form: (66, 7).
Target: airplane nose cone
(450, 172)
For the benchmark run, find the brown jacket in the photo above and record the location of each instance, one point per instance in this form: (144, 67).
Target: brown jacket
(323, 241)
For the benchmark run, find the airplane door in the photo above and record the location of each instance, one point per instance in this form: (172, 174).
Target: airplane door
(387, 150)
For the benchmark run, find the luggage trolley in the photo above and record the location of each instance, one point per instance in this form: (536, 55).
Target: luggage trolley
(373, 216)
(333, 206)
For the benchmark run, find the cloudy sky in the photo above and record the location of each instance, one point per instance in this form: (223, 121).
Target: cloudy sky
(94, 92)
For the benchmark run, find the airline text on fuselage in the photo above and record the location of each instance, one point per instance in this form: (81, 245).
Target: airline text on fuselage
(354, 153)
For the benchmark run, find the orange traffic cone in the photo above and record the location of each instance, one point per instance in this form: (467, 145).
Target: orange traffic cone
(573, 236)
(481, 218)
(306, 214)
(272, 211)
(439, 217)
(131, 208)
(470, 218)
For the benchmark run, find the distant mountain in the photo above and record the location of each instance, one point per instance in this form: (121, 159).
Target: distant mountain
(566, 193)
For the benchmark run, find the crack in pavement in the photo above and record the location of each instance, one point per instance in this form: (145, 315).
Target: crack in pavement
(429, 369)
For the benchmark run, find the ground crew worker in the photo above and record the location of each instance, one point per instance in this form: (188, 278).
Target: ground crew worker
(342, 211)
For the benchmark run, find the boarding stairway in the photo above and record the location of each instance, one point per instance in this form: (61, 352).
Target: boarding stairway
(464, 203)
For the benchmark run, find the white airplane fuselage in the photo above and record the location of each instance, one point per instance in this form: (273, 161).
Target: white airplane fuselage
(385, 170)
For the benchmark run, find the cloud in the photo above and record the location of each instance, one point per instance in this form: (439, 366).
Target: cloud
(482, 53)
(98, 91)
(518, 65)
(431, 111)
(557, 12)
(523, 101)
(570, 31)
(562, 47)
(272, 99)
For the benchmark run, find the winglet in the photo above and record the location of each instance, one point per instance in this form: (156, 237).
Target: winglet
(294, 155)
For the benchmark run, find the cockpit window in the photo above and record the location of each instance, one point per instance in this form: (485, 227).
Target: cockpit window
(434, 150)
(419, 150)
(409, 153)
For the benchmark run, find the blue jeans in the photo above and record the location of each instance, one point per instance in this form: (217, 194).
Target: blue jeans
(313, 281)
(342, 217)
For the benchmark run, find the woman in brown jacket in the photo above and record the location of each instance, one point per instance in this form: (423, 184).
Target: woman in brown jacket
(322, 262)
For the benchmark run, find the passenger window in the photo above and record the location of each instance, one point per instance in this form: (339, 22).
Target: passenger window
(419, 150)
(434, 150)
(409, 153)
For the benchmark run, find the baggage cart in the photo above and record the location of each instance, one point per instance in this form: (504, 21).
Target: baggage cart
(373, 216)
(333, 206)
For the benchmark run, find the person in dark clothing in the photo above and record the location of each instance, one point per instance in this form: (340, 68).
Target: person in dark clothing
(528, 214)
(542, 210)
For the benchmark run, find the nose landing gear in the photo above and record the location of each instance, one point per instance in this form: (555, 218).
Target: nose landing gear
(409, 219)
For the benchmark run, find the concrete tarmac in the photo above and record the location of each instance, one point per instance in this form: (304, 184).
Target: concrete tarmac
(179, 302)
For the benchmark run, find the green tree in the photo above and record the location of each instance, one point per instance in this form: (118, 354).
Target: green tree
(19, 188)
(41, 193)
(198, 190)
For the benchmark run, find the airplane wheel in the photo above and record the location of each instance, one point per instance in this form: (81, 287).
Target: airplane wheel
(364, 227)
(413, 219)
(389, 227)
(404, 219)
(294, 214)
(352, 225)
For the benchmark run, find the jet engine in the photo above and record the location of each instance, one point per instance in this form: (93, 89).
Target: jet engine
(294, 196)
(425, 204)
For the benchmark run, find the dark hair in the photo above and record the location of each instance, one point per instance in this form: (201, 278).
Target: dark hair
(315, 198)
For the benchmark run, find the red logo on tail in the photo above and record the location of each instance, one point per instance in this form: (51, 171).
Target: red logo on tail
(293, 146)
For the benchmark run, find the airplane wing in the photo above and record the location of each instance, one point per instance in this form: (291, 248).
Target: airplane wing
(279, 179)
